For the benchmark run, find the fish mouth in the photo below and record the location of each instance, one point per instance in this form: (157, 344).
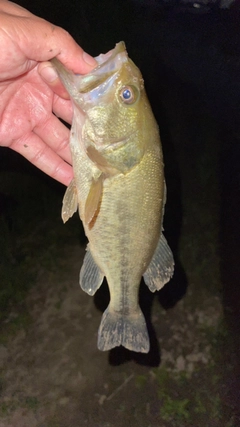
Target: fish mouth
(108, 65)
(104, 58)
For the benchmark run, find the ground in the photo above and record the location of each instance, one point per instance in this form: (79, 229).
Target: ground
(53, 374)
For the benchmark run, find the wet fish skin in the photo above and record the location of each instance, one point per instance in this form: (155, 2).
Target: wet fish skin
(119, 189)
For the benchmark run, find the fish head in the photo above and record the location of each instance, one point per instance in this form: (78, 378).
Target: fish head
(115, 107)
(111, 100)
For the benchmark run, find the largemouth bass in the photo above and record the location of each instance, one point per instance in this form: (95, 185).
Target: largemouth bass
(119, 190)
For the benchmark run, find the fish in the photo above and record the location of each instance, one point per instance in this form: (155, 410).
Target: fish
(120, 192)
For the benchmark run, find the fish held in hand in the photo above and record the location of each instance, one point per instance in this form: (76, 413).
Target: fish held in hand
(119, 190)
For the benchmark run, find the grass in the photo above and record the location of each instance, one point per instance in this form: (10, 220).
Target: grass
(175, 410)
(140, 381)
(183, 400)
(28, 402)
(32, 402)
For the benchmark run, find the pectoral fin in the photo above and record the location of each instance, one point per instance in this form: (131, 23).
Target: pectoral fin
(93, 201)
(161, 267)
(70, 202)
(101, 162)
(91, 276)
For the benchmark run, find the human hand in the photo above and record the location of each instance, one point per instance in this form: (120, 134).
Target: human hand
(30, 90)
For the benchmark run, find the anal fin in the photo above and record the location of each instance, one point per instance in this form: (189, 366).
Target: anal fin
(91, 276)
(161, 267)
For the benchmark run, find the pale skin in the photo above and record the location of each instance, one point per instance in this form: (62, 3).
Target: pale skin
(31, 95)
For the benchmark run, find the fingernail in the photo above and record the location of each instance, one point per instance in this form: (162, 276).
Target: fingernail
(89, 59)
(49, 74)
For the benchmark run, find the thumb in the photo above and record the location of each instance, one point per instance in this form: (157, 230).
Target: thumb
(50, 76)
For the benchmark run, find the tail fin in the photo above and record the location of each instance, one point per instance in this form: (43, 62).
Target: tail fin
(127, 330)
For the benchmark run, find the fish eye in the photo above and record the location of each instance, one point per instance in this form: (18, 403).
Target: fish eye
(128, 94)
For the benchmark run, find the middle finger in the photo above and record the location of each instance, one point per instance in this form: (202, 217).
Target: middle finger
(56, 135)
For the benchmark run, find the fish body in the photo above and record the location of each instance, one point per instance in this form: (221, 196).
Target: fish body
(119, 189)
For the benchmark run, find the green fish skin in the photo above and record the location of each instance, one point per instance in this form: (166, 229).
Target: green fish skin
(119, 190)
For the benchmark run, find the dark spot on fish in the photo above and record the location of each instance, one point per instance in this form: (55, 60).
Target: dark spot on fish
(25, 145)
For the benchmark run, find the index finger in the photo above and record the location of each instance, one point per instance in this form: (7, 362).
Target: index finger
(41, 40)
(57, 42)
(34, 149)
